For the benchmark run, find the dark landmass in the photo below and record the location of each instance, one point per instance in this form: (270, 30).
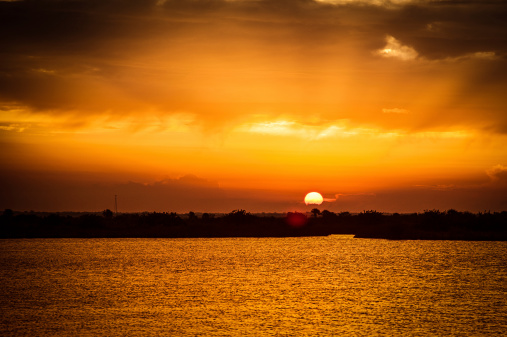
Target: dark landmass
(429, 225)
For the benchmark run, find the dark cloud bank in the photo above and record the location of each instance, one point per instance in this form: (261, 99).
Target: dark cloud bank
(52, 192)
(52, 50)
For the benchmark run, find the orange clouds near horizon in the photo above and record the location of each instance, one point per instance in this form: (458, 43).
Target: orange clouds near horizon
(267, 99)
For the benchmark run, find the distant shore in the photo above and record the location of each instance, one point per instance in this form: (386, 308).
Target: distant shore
(429, 225)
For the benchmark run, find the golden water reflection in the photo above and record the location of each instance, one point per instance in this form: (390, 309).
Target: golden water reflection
(252, 286)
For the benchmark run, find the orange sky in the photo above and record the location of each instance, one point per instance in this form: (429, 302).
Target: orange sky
(217, 105)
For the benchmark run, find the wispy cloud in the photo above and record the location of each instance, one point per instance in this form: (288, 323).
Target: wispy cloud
(343, 129)
(395, 111)
(307, 131)
(383, 3)
(13, 127)
(482, 55)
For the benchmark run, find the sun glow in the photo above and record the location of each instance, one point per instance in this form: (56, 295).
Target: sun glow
(313, 198)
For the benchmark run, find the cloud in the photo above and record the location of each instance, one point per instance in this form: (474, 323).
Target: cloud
(12, 127)
(477, 56)
(395, 111)
(394, 49)
(498, 174)
(305, 130)
(74, 191)
(420, 198)
(384, 3)
(221, 60)
(91, 192)
(291, 128)
(438, 187)
(487, 55)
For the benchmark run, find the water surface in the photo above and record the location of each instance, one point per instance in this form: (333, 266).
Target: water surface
(252, 286)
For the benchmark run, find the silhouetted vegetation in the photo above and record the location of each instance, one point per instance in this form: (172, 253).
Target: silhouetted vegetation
(315, 212)
(429, 225)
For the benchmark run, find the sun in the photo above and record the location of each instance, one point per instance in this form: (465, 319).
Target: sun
(313, 198)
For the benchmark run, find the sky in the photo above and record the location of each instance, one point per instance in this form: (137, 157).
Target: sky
(216, 105)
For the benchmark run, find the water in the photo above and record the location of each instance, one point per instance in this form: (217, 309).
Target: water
(252, 287)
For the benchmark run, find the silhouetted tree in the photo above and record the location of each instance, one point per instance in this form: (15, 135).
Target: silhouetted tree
(238, 213)
(431, 220)
(315, 212)
(174, 219)
(371, 214)
(91, 221)
(7, 217)
(8, 213)
(327, 215)
(191, 216)
(344, 214)
(239, 216)
(53, 220)
(108, 214)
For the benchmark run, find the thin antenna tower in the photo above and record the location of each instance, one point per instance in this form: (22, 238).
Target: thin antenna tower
(115, 204)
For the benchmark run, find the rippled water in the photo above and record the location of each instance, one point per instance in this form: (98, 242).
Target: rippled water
(252, 286)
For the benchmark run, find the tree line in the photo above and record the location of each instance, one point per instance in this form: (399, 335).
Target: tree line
(430, 224)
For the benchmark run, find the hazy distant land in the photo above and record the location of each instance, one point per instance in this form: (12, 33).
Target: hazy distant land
(429, 225)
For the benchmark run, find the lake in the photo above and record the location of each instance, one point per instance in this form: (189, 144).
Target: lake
(307, 286)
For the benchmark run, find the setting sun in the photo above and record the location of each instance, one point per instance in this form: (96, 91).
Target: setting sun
(313, 198)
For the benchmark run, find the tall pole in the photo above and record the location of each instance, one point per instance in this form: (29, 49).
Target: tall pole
(115, 204)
